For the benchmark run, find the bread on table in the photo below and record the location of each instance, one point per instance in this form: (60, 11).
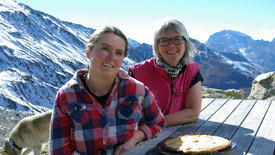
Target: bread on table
(196, 144)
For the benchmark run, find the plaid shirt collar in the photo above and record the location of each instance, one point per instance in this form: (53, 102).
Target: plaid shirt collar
(121, 75)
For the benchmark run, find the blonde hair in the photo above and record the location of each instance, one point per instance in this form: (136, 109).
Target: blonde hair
(172, 24)
(107, 29)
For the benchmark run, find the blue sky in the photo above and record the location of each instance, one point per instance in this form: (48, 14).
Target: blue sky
(136, 18)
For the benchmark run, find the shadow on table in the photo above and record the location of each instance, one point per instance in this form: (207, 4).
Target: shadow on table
(242, 137)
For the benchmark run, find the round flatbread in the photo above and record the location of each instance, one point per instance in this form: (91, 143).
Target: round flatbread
(196, 144)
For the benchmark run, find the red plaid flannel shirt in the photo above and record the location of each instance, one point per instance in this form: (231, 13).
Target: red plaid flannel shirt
(80, 125)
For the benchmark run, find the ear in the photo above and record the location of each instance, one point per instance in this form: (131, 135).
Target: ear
(88, 51)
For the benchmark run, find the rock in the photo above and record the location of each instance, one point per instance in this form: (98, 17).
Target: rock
(263, 87)
(218, 93)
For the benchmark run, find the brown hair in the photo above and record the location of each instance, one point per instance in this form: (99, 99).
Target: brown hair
(107, 29)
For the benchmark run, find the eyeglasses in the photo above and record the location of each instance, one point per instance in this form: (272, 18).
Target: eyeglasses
(166, 41)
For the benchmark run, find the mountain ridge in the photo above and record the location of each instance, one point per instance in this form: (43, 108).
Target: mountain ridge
(230, 41)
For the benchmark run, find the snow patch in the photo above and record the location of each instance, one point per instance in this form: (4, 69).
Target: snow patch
(242, 50)
(264, 76)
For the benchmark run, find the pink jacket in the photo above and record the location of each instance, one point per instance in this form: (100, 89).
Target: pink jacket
(170, 94)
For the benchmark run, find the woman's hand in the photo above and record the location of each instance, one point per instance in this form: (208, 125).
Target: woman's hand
(138, 136)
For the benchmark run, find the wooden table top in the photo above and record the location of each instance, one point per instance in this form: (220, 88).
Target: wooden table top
(248, 123)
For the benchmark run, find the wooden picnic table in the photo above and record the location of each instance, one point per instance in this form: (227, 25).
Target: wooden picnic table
(250, 124)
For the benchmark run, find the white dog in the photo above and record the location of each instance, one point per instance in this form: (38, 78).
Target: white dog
(31, 132)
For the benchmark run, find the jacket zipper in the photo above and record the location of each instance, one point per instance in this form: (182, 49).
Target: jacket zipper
(172, 93)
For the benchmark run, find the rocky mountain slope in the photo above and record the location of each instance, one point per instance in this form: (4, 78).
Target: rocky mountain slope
(38, 54)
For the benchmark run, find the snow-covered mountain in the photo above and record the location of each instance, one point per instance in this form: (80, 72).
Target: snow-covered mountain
(39, 53)
(226, 70)
(230, 43)
(245, 58)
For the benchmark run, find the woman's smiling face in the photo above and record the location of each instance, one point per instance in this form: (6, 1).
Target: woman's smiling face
(107, 55)
(171, 53)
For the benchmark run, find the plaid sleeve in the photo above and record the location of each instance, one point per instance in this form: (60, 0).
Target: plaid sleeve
(60, 142)
(154, 119)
